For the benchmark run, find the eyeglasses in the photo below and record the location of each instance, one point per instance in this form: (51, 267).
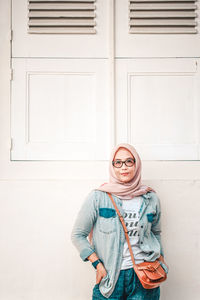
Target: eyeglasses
(119, 163)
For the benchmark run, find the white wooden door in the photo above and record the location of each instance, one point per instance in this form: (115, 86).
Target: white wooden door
(60, 86)
(62, 80)
(157, 78)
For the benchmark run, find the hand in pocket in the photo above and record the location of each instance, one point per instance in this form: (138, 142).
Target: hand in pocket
(101, 272)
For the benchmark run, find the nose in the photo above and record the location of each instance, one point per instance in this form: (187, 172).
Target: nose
(124, 167)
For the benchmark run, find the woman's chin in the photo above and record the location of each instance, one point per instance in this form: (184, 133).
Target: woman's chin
(125, 179)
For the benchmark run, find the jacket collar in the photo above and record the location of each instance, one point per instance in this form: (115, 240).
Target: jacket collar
(145, 203)
(147, 195)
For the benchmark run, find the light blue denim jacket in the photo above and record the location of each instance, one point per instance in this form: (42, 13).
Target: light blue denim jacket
(98, 212)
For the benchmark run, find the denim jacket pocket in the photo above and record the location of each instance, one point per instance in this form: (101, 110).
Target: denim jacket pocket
(150, 217)
(107, 212)
(107, 222)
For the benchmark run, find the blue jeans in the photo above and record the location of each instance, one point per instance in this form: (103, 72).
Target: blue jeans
(128, 287)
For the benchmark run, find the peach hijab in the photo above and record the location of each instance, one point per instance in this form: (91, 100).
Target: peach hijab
(125, 190)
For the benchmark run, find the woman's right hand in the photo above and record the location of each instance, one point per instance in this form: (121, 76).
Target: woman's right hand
(101, 272)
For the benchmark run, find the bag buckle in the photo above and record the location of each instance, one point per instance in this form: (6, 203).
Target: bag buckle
(151, 268)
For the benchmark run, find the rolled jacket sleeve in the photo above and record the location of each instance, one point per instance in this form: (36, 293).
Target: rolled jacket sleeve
(156, 225)
(83, 224)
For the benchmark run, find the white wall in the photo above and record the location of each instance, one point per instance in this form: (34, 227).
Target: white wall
(37, 259)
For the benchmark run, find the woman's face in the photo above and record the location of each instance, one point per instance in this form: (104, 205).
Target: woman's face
(124, 173)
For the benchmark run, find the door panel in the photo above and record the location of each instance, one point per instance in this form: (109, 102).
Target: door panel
(60, 109)
(158, 107)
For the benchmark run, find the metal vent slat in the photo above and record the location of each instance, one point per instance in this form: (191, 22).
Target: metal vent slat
(61, 30)
(61, 14)
(162, 30)
(160, 16)
(163, 6)
(59, 6)
(179, 22)
(73, 16)
(65, 22)
(139, 1)
(61, 1)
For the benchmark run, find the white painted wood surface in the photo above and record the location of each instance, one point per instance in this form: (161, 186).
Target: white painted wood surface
(160, 110)
(40, 199)
(58, 21)
(63, 44)
(154, 44)
(60, 109)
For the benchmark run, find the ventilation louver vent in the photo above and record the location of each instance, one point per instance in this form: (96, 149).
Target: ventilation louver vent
(160, 16)
(74, 16)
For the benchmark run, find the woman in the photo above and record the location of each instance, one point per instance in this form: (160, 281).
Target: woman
(108, 252)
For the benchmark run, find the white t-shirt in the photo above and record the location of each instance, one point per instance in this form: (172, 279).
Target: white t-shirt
(131, 217)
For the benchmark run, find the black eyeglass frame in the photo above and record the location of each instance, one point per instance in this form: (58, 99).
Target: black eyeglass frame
(124, 162)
